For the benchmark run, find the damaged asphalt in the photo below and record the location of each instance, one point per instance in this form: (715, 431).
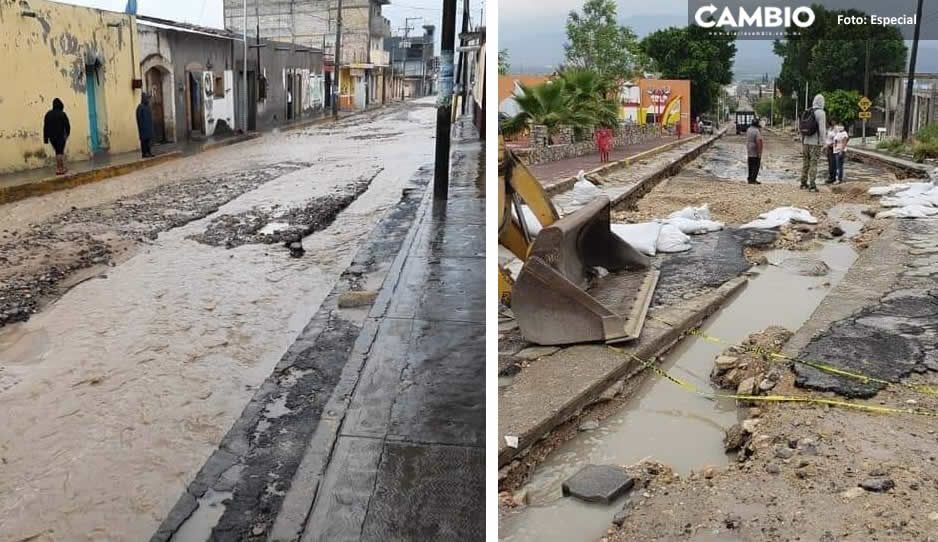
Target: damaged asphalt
(36, 264)
(888, 340)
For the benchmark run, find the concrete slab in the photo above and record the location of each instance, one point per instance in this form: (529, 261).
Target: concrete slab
(598, 483)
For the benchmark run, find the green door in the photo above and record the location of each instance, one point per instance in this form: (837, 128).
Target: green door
(91, 91)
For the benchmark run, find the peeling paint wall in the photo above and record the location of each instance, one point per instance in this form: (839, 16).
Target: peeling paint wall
(45, 48)
(209, 59)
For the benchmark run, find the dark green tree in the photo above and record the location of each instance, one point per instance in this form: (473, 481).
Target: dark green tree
(703, 56)
(829, 56)
(596, 41)
(504, 63)
(842, 106)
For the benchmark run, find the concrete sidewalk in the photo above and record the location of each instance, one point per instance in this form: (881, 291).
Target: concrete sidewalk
(555, 175)
(371, 427)
(36, 182)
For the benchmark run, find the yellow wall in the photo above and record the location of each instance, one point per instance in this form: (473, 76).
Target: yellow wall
(43, 57)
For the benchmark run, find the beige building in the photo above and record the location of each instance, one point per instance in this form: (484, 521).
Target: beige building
(363, 66)
(86, 58)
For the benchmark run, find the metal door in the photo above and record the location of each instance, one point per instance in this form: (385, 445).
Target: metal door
(91, 92)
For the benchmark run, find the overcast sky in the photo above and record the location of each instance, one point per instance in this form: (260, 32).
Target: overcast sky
(209, 12)
(534, 32)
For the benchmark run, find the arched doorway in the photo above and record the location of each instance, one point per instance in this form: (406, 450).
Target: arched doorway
(154, 78)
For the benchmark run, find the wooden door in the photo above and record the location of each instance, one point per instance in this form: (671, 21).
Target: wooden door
(155, 90)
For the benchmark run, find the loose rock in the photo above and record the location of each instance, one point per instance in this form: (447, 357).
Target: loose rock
(878, 485)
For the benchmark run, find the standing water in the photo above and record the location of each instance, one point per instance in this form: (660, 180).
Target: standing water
(663, 421)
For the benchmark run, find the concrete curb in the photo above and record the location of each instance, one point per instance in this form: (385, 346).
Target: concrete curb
(557, 387)
(567, 184)
(54, 184)
(229, 141)
(648, 182)
(897, 165)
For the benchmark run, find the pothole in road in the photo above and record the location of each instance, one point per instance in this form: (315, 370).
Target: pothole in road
(268, 226)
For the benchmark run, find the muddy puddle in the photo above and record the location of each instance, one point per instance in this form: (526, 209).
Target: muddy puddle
(663, 421)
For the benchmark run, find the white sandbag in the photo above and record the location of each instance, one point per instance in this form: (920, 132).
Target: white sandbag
(694, 227)
(671, 239)
(530, 219)
(909, 211)
(584, 191)
(693, 213)
(904, 199)
(643, 237)
(780, 216)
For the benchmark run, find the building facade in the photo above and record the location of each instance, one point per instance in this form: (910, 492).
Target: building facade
(924, 103)
(88, 58)
(412, 62)
(285, 83)
(363, 66)
(189, 73)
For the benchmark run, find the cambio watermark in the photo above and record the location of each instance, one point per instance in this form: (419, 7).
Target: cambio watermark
(752, 19)
(761, 17)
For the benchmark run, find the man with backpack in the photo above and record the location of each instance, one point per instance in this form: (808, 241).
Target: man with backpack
(813, 128)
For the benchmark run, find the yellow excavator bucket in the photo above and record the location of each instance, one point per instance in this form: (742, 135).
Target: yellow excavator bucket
(561, 296)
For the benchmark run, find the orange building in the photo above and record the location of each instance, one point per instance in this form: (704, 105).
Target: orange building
(663, 101)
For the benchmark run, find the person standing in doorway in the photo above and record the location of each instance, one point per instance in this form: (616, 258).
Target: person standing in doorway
(841, 138)
(754, 144)
(145, 125)
(813, 128)
(55, 131)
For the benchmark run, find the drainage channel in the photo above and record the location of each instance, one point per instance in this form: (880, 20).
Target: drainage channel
(663, 421)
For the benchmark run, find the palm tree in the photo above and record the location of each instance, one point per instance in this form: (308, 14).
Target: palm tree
(588, 94)
(544, 104)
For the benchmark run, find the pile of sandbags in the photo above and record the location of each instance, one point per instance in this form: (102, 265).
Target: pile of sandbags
(694, 220)
(779, 217)
(653, 237)
(907, 200)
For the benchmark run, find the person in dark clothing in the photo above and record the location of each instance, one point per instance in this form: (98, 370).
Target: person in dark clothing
(754, 144)
(145, 125)
(55, 131)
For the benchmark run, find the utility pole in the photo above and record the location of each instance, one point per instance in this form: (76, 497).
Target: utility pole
(866, 83)
(337, 63)
(463, 60)
(444, 104)
(907, 115)
(244, 66)
(772, 105)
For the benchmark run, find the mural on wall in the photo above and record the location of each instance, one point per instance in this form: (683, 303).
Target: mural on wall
(315, 90)
(208, 84)
(658, 97)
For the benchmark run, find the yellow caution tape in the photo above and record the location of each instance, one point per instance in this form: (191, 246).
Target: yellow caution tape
(806, 399)
(823, 367)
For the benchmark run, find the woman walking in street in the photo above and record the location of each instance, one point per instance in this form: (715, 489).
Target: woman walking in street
(55, 131)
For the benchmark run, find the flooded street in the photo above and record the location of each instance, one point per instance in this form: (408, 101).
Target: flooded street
(114, 394)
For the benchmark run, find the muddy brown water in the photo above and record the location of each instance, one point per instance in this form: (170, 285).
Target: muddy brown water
(113, 396)
(663, 421)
